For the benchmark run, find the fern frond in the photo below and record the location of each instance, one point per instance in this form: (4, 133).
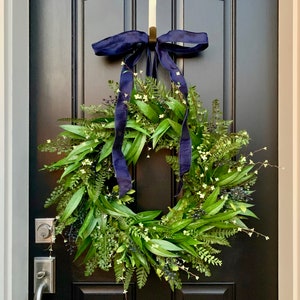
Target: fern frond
(205, 255)
(142, 276)
(201, 267)
(128, 275)
(212, 250)
(95, 185)
(224, 233)
(118, 268)
(213, 239)
(55, 196)
(73, 120)
(172, 161)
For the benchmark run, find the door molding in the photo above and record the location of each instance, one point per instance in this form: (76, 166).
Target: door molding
(289, 149)
(14, 153)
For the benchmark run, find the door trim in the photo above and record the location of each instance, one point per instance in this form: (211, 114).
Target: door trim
(289, 149)
(14, 141)
(14, 148)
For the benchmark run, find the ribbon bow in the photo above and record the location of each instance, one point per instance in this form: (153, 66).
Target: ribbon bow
(132, 45)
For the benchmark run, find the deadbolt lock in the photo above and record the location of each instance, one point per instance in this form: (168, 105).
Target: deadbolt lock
(44, 230)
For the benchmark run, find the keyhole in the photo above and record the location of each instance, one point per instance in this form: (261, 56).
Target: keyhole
(44, 231)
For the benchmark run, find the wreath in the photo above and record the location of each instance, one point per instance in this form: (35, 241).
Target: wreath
(212, 207)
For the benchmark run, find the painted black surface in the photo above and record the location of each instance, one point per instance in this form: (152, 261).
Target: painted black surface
(239, 68)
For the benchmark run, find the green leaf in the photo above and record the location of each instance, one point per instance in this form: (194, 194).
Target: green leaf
(137, 240)
(158, 250)
(76, 129)
(110, 125)
(71, 135)
(212, 198)
(215, 207)
(227, 179)
(211, 219)
(134, 125)
(177, 107)
(242, 179)
(188, 248)
(147, 215)
(249, 213)
(62, 162)
(72, 204)
(243, 207)
(136, 148)
(82, 247)
(175, 125)
(86, 146)
(148, 111)
(239, 223)
(115, 209)
(177, 226)
(91, 253)
(243, 175)
(141, 259)
(72, 164)
(221, 225)
(161, 129)
(106, 149)
(127, 145)
(165, 245)
(88, 225)
(125, 210)
(180, 237)
(121, 248)
(236, 177)
(70, 169)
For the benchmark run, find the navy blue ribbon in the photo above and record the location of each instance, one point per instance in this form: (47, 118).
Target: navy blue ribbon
(132, 44)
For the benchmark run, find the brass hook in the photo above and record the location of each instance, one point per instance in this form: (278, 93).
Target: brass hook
(152, 37)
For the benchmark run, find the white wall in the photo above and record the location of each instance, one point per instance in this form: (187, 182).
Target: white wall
(14, 109)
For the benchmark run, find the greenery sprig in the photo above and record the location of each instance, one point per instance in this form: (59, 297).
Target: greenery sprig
(214, 204)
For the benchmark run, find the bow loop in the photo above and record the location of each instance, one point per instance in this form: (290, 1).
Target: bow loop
(184, 36)
(121, 44)
(132, 44)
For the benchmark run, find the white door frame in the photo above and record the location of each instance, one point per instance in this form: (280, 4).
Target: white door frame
(289, 149)
(14, 152)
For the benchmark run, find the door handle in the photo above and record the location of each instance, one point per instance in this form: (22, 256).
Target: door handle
(44, 276)
(42, 285)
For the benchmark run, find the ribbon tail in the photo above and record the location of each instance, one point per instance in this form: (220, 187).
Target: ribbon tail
(185, 140)
(119, 162)
(185, 151)
(122, 173)
(126, 84)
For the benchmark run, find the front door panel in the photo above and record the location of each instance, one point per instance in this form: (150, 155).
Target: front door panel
(239, 68)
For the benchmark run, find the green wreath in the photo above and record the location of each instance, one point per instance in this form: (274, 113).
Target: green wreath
(215, 201)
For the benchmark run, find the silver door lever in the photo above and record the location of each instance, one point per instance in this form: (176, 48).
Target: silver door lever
(44, 276)
(42, 286)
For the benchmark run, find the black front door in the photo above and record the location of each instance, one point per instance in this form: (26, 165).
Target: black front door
(239, 68)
